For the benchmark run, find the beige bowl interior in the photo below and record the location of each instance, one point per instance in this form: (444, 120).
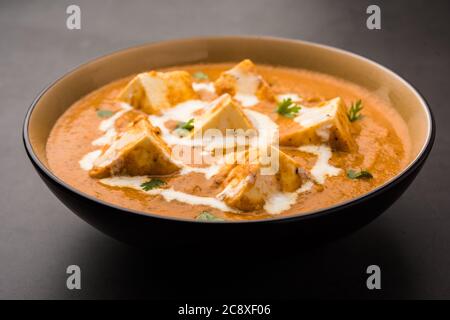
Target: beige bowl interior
(273, 51)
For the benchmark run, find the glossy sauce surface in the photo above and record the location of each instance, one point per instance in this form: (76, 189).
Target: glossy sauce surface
(381, 136)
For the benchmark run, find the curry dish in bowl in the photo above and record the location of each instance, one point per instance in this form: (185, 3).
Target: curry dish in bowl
(229, 142)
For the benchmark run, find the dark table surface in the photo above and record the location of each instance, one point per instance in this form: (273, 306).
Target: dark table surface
(39, 237)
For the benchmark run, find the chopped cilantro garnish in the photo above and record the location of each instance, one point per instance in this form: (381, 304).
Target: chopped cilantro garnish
(353, 113)
(207, 216)
(363, 174)
(186, 125)
(152, 184)
(200, 75)
(288, 108)
(103, 113)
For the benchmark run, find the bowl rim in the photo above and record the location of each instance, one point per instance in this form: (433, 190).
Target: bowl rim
(399, 177)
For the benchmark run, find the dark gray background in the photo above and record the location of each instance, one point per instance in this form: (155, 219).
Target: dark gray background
(39, 237)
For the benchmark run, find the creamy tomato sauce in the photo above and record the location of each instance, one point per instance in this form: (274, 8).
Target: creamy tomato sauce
(381, 136)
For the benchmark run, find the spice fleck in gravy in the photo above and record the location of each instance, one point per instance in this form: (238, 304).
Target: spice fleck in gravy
(333, 141)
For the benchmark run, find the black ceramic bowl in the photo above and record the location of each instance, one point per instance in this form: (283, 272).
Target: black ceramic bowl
(155, 230)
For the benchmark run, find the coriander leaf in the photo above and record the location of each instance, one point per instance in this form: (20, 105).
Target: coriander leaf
(363, 174)
(186, 125)
(288, 108)
(207, 216)
(152, 184)
(200, 75)
(353, 113)
(103, 113)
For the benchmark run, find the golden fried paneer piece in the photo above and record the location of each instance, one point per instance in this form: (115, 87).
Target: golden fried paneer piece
(179, 86)
(247, 187)
(290, 174)
(128, 119)
(243, 80)
(154, 91)
(137, 151)
(223, 114)
(327, 123)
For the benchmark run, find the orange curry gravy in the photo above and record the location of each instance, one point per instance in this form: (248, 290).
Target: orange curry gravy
(381, 136)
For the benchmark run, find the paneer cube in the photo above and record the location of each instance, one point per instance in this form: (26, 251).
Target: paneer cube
(290, 174)
(247, 187)
(244, 84)
(223, 114)
(128, 119)
(327, 123)
(137, 151)
(179, 86)
(154, 91)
